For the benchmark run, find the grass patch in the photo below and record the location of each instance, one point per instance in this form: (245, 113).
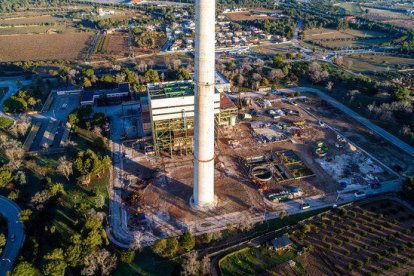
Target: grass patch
(351, 8)
(252, 261)
(147, 263)
(369, 64)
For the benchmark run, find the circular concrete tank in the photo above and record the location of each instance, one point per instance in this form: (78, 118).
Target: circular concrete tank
(262, 174)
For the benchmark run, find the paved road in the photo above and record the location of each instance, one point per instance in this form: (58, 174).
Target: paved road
(11, 211)
(381, 132)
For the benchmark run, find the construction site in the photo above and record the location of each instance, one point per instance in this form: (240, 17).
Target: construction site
(272, 155)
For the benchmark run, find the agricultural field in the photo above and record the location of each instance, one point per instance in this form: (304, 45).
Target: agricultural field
(113, 45)
(35, 30)
(247, 16)
(391, 17)
(68, 46)
(370, 63)
(334, 39)
(362, 239)
(352, 8)
(35, 20)
(275, 49)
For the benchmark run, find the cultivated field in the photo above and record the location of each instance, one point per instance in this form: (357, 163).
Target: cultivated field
(44, 47)
(351, 8)
(275, 49)
(369, 63)
(41, 19)
(372, 238)
(247, 16)
(391, 17)
(34, 29)
(334, 39)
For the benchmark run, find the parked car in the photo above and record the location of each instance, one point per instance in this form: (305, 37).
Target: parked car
(305, 206)
(359, 194)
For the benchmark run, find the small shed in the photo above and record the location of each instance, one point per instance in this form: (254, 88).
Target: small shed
(281, 243)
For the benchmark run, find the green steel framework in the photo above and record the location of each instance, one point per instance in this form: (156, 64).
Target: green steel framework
(173, 137)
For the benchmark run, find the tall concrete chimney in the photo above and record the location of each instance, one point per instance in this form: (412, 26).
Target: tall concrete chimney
(203, 193)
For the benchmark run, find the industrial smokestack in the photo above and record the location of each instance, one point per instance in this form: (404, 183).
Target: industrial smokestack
(203, 193)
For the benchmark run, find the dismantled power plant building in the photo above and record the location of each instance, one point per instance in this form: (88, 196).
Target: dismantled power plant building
(170, 114)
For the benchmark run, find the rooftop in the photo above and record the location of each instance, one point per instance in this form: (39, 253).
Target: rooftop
(170, 89)
(281, 242)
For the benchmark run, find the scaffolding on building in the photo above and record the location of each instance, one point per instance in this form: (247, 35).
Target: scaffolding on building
(176, 136)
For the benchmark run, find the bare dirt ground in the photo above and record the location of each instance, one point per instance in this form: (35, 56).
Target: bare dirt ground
(161, 187)
(38, 19)
(363, 137)
(44, 46)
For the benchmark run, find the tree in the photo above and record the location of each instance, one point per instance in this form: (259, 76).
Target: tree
(64, 167)
(55, 264)
(127, 256)
(329, 85)
(20, 177)
(100, 262)
(14, 104)
(75, 253)
(88, 73)
(183, 74)
(3, 241)
(57, 189)
(137, 240)
(159, 246)
(191, 265)
(402, 94)
(187, 241)
(278, 61)
(306, 228)
(171, 247)
(207, 237)
(5, 122)
(152, 76)
(108, 78)
(88, 163)
(87, 82)
(24, 269)
(13, 195)
(316, 73)
(24, 215)
(5, 178)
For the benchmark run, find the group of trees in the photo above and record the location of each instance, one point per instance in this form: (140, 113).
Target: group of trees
(170, 247)
(149, 40)
(90, 164)
(23, 100)
(253, 74)
(14, 5)
(85, 251)
(284, 26)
